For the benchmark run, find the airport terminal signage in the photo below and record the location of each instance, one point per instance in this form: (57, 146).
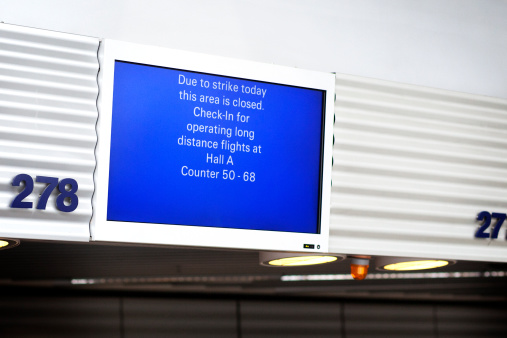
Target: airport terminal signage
(197, 150)
(206, 151)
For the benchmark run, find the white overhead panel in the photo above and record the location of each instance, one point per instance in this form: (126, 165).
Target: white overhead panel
(418, 171)
(48, 114)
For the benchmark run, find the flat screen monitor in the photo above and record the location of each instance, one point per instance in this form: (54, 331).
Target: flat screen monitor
(198, 150)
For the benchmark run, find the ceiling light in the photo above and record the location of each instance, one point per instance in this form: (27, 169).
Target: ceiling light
(6, 243)
(409, 264)
(296, 259)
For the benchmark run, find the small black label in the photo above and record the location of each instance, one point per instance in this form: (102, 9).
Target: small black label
(309, 246)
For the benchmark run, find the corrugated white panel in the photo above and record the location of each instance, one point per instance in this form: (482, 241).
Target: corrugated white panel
(413, 167)
(48, 92)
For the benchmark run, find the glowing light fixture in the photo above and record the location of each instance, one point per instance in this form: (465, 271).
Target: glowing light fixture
(416, 265)
(8, 243)
(410, 264)
(302, 260)
(296, 259)
(359, 268)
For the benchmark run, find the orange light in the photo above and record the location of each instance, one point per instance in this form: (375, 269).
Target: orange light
(359, 268)
(359, 272)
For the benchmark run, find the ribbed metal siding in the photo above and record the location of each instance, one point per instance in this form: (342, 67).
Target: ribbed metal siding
(412, 168)
(48, 92)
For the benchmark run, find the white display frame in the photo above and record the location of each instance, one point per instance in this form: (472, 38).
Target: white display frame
(201, 236)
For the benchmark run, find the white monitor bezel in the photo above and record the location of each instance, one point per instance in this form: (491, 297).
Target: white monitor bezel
(169, 234)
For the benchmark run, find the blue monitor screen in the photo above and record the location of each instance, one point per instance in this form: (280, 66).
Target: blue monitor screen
(197, 149)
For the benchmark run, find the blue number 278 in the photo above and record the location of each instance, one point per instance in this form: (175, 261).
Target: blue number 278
(66, 201)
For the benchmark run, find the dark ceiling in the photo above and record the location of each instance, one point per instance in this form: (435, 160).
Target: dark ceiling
(90, 266)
